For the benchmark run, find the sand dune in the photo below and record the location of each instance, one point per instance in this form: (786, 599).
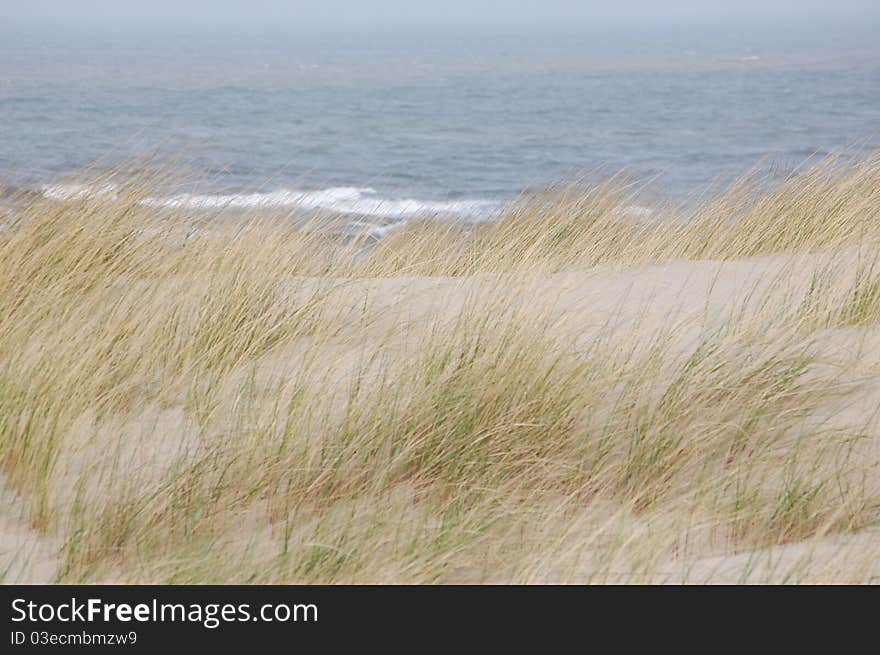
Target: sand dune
(566, 394)
(392, 316)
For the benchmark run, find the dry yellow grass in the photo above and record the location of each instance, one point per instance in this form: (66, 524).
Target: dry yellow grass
(566, 394)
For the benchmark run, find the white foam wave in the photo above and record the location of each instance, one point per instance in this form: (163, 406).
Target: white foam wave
(363, 228)
(362, 201)
(342, 200)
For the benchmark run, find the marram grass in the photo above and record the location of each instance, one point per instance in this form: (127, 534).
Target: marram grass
(569, 393)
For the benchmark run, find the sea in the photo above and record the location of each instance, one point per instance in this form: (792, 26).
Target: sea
(395, 126)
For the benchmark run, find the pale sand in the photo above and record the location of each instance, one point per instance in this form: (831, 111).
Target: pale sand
(26, 555)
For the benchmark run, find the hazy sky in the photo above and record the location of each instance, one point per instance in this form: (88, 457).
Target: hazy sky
(417, 14)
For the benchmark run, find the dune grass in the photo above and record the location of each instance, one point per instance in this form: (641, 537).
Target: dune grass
(569, 393)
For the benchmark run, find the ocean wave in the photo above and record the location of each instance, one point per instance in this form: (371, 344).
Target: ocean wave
(355, 201)
(362, 201)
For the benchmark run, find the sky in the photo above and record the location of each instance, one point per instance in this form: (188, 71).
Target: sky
(354, 15)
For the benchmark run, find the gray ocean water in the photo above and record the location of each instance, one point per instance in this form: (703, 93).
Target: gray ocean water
(395, 127)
